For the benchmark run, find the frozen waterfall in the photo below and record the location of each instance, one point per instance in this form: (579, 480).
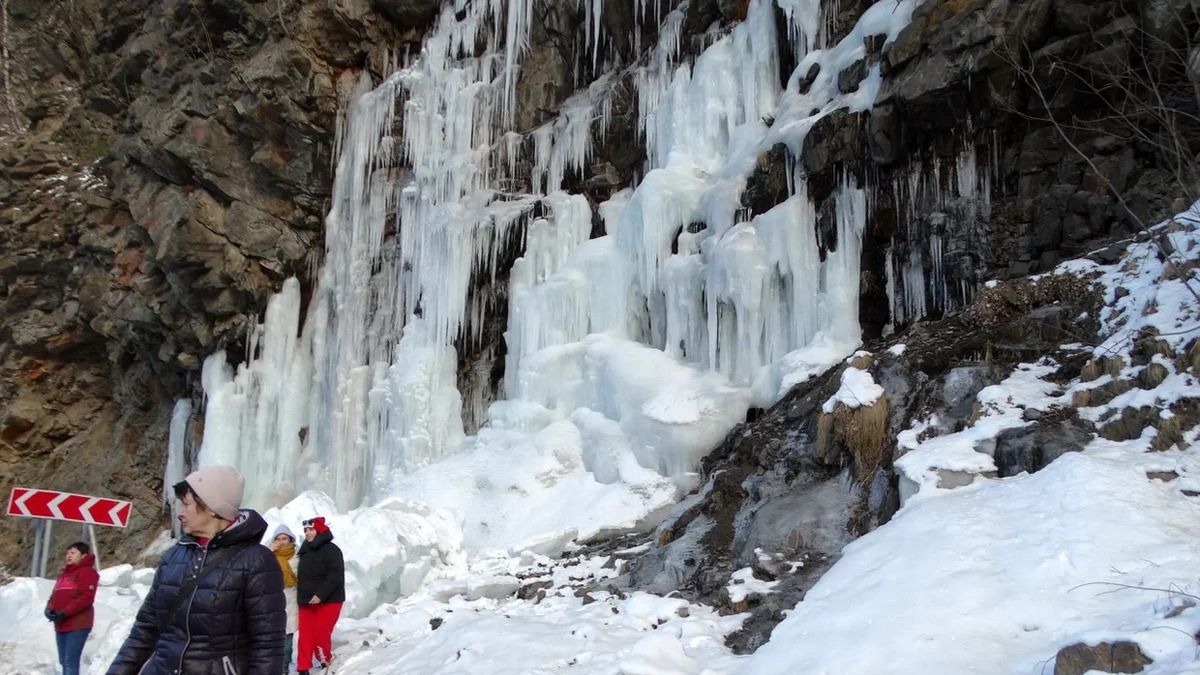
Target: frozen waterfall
(629, 355)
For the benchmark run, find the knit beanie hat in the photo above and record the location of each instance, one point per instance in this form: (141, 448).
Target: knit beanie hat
(220, 488)
(284, 529)
(318, 524)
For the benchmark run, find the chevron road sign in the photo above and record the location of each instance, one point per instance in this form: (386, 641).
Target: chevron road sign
(55, 505)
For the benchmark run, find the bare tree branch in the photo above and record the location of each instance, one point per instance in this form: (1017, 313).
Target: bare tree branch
(1173, 147)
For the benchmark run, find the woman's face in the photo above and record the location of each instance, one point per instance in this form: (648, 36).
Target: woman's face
(310, 533)
(74, 557)
(281, 540)
(195, 520)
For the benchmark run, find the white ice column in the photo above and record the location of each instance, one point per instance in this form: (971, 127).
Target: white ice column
(254, 418)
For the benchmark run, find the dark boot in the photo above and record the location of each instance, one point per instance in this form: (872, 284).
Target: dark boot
(287, 653)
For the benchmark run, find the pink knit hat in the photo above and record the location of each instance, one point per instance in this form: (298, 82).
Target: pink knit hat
(220, 488)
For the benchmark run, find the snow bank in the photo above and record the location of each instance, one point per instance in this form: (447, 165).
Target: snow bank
(998, 575)
(995, 577)
(641, 634)
(1145, 291)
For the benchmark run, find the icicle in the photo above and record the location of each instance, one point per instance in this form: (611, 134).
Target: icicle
(930, 198)
(177, 445)
(805, 24)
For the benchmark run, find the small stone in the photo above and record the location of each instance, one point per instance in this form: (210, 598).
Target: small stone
(1108, 657)
(531, 590)
(1175, 611)
(948, 479)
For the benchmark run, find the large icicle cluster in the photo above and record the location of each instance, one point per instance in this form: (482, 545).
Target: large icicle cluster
(629, 356)
(934, 196)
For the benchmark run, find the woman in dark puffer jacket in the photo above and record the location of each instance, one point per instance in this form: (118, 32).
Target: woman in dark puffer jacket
(216, 606)
(320, 590)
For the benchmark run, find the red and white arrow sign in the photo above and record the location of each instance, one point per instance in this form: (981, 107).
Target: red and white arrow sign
(55, 505)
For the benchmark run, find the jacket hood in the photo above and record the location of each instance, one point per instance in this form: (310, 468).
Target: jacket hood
(249, 527)
(318, 541)
(283, 529)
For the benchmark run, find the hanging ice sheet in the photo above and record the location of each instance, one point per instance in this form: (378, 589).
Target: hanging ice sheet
(629, 356)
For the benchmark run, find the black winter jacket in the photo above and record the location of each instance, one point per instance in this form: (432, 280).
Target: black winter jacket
(322, 572)
(234, 622)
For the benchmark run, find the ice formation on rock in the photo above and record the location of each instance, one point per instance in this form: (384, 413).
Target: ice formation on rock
(629, 356)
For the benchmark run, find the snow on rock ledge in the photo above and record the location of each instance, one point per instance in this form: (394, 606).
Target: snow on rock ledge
(954, 460)
(858, 389)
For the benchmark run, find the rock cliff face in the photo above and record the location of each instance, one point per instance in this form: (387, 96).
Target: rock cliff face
(167, 164)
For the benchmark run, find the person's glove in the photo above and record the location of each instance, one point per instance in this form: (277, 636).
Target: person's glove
(57, 617)
(48, 614)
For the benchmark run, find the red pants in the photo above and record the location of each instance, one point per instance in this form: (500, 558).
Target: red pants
(316, 631)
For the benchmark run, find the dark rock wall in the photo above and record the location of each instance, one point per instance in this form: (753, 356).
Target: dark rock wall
(165, 166)
(978, 83)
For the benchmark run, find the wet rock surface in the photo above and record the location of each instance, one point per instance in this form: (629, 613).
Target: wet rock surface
(1029, 449)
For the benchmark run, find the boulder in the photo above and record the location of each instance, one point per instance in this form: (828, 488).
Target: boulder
(1106, 657)
(1030, 448)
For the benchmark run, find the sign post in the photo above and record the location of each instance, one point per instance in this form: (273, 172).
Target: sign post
(47, 506)
(48, 526)
(37, 549)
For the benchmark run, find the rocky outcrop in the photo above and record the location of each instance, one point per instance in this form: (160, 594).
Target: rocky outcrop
(783, 501)
(1036, 125)
(165, 166)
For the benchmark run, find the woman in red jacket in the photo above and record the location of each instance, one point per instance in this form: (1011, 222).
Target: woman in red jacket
(70, 605)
